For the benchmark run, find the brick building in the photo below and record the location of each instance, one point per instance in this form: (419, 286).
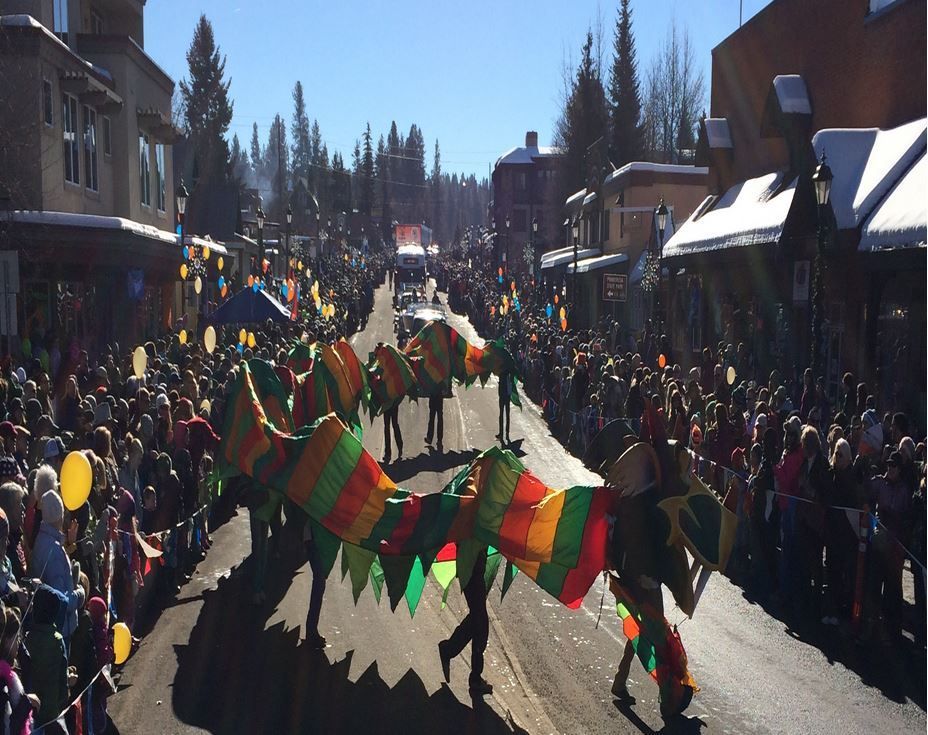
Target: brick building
(524, 191)
(844, 78)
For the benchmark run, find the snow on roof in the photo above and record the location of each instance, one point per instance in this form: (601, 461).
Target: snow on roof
(576, 197)
(554, 253)
(866, 163)
(595, 263)
(658, 168)
(792, 94)
(27, 21)
(901, 219)
(638, 271)
(101, 222)
(752, 212)
(567, 257)
(589, 199)
(718, 133)
(526, 154)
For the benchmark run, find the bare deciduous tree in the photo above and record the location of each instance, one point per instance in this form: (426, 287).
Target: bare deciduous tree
(675, 90)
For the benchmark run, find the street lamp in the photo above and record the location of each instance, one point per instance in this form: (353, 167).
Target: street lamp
(661, 214)
(534, 236)
(821, 179)
(181, 195)
(259, 216)
(506, 251)
(289, 222)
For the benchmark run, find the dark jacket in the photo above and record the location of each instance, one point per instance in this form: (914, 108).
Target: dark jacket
(49, 670)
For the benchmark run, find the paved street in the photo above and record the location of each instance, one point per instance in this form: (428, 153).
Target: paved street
(214, 663)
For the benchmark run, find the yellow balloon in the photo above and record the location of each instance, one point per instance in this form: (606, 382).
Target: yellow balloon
(251, 339)
(205, 252)
(242, 336)
(183, 271)
(209, 339)
(220, 263)
(299, 265)
(307, 272)
(139, 361)
(122, 643)
(76, 479)
(182, 336)
(198, 285)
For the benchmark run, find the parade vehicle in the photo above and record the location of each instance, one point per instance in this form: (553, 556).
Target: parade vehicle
(407, 296)
(410, 266)
(416, 316)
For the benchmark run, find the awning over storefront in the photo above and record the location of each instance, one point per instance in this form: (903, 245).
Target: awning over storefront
(591, 264)
(901, 219)
(566, 255)
(588, 201)
(751, 213)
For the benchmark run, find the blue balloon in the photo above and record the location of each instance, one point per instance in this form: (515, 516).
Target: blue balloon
(500, 279)
(255, 286)
(549, 310)
(283, 290)
(186, 253)
(179, 230)
(222, 281)
(518, 306)
(240, 347)
(319, 309)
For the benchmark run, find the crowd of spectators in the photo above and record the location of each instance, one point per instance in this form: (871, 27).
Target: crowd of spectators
(803, 473)
(68, 576)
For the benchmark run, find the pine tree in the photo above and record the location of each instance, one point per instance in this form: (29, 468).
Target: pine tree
(300, 134)
(355, 170)
(435, 195)
(257, 157)
(624, 94)
(382, 172)
(241, 167)
(366, 189)
(583, 126)
(207, 105)
(277, 168)
(315, 158)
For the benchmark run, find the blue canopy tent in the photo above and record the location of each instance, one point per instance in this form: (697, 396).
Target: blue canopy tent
(250, 307)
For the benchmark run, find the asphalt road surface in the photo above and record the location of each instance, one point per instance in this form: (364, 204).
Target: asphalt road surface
(214, 663)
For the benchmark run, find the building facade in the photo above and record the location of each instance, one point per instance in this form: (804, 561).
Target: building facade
(799, 80)
(523, 194)
(86, 181)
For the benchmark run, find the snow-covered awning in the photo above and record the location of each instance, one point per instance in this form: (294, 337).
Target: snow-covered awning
(591, 264)
(101, 222)
(566, 255)
(588, 201)
(792, 94)
(866, 163)
(751, 213)
(718, 133)
(901, 219)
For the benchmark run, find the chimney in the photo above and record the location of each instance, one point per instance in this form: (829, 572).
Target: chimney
(531, 139)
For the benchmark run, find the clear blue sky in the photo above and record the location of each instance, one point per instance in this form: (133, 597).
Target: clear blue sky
(475, 74)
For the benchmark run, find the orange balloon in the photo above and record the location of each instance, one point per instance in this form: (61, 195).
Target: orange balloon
(500, 270)
(563, 325)
(512, 286)
(265, 265)
(555, 298)
(661, 361)
(251, 281)
(224, 291)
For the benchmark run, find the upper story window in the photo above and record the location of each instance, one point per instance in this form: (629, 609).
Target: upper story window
(60, 19)
(47, 112)
(90, 148)
(522, 182)
(72, 154)
(159, 177)
(144, 170)
(107, 137)
(96, 23)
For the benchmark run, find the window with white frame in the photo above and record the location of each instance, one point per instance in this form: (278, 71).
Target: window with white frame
(47, 104)
(159, 176)
(90, 148)
(144, 170)
(72, 154)
(107, 137)
(96, 23)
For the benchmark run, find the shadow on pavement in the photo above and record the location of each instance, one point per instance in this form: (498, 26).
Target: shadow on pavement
(429, 461)
(897, 669)
(679, 725)
(236, 677)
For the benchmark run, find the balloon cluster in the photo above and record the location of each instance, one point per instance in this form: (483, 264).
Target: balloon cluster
(194, 266)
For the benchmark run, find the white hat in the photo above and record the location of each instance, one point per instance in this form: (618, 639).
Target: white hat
(161, 401)
(21, 375)
(51, 449)
(52, 507)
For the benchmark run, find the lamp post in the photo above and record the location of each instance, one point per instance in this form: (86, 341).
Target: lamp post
(181, 196)
(506, 251)
(318, 241)
(534, 254)
(661, 214)
(289, 222)
(575, 231)
(259, 216)
(821, 179)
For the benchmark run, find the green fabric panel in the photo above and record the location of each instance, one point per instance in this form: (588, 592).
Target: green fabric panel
(359, 566)
(396, 571)
(508, 575)
(327, 544)
(266, 511)
(498, 490)
(551, 578)
(392, 513)
(341, 463)
(444, 572)
(376, 578)
(568, 538)
(414, 586)
(489, 576)
(468, 550)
